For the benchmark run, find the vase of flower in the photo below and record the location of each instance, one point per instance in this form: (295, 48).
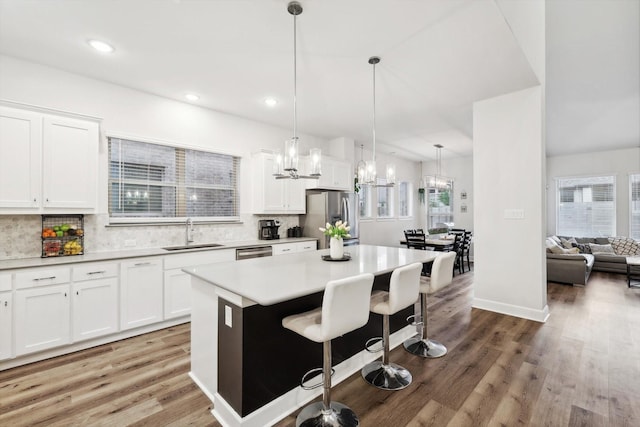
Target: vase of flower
(336, 248)
(336, 232)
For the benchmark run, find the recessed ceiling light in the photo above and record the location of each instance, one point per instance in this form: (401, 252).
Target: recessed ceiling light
(271, 102)
(192, 97)
(101, 46)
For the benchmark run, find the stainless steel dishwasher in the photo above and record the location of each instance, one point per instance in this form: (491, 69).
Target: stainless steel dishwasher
(253, 252)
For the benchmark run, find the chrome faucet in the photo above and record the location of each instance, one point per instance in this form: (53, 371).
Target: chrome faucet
(189, 231)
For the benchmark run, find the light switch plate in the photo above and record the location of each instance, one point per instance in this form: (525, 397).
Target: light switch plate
(228, 316)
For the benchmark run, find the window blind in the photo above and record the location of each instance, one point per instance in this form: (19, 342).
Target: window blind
(151, 181)
(586, 206)
(634, 206)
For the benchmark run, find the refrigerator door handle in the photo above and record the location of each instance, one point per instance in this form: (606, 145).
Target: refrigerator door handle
(345, 206)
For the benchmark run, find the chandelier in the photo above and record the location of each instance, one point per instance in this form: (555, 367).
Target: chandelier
(286, 166)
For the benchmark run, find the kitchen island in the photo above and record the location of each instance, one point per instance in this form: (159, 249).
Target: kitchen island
(241, 356)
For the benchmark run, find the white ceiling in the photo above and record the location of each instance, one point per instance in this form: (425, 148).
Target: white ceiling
(438, 57)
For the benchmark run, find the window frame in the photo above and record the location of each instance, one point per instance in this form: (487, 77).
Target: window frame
(368, 204)
(409, 200)
(428, 188)
(180, 185)
(634, 235)
(558, 197)
(381, 186)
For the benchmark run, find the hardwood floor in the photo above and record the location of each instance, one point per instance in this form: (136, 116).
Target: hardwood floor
(581, 368)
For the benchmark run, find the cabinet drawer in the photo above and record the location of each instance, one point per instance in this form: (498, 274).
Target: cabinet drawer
(42, 277)
(285, 248)
(307, 246)
(5, 282)
(94, 271)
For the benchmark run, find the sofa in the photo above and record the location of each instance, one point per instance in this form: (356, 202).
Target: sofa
(573, 263)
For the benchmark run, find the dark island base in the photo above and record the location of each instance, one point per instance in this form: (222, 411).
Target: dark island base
(259, 360)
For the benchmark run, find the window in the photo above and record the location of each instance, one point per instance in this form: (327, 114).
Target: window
(634, 204)
(586, 206)
(440, 202)
(385, 199)
(364, 201)
(405, 199)
(150, 182)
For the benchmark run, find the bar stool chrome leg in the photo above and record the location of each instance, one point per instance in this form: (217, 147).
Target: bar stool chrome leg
(383, 374)
(327, 413)
(421, 345)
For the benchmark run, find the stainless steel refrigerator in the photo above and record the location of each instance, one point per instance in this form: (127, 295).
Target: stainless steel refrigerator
(330, 206)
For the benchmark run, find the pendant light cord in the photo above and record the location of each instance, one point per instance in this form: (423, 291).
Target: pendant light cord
(374, 112)
(295, 78)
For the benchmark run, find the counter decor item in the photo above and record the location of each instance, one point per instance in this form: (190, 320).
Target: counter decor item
(62, 235)
(336, 232)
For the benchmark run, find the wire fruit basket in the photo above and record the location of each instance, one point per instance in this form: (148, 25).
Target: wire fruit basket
(62, 235)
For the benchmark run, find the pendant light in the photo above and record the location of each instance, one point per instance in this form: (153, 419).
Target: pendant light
(438, 181)
(286, 166)
(370, 172)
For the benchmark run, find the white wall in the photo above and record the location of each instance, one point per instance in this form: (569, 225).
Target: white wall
(508, 171)
(619, 163)
(137, 114)
(390, 231)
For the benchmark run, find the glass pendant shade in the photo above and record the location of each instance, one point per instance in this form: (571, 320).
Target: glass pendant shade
(370, 174)
(291, 155)
(391, 174)
(316, 161)
(278, 162)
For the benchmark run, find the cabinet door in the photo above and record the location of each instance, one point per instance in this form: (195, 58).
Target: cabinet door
(6, 325)
(42, 318)
(95, 308)
(285, 248)
(273, 189)
(70, 164)
(20, 167)
(140, 293)
(342, 176)
(177, 294)
(311, 245)
(296, 201)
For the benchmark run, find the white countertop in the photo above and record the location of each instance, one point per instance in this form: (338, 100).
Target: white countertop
(271, 280)
(135, 253)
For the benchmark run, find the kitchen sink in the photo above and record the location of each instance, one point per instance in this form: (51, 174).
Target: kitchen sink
(196, 246)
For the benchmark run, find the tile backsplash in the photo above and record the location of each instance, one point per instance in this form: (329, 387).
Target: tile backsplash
(21, 234)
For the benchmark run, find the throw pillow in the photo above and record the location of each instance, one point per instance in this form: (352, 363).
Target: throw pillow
(584, 248)
(556, 239)
(601, 249)
(550, 244)
(624, 246)
(568, 243)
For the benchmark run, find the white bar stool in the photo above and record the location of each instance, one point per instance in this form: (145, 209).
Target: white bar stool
(345, 307)
(441, 276)
(403, 292)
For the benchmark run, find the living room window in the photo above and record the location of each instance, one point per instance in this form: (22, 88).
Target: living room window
(586, 206)
(160, 183)
(364, 202)
(634, 206)
(385, 199)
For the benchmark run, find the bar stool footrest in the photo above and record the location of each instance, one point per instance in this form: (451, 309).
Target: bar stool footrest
(373, 341)
(310, 372)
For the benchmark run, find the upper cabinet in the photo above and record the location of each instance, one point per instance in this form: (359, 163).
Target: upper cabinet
(48, 163)
(336, 175)
(271, 195)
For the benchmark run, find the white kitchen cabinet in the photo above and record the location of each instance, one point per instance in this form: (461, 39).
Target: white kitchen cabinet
(177, 283)
(20, 152)
(288, 248)
(140, 292)
(6, 325)
(48, 163)
(42, 318)
(70, 164)
(275, 196)
(336, 175)
(95, 300)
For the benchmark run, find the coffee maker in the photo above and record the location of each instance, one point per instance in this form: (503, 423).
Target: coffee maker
(268, 229)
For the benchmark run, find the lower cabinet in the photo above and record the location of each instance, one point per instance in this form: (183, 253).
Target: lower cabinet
(177, 294)
(6, 325)
(42, 317)
(141, 289)
(95, 300)
(288, 248)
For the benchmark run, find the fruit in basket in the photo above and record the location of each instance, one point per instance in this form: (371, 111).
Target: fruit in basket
(64, 227)
(56, 228)
(79, 232)
(59, 233)
(72, 247)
